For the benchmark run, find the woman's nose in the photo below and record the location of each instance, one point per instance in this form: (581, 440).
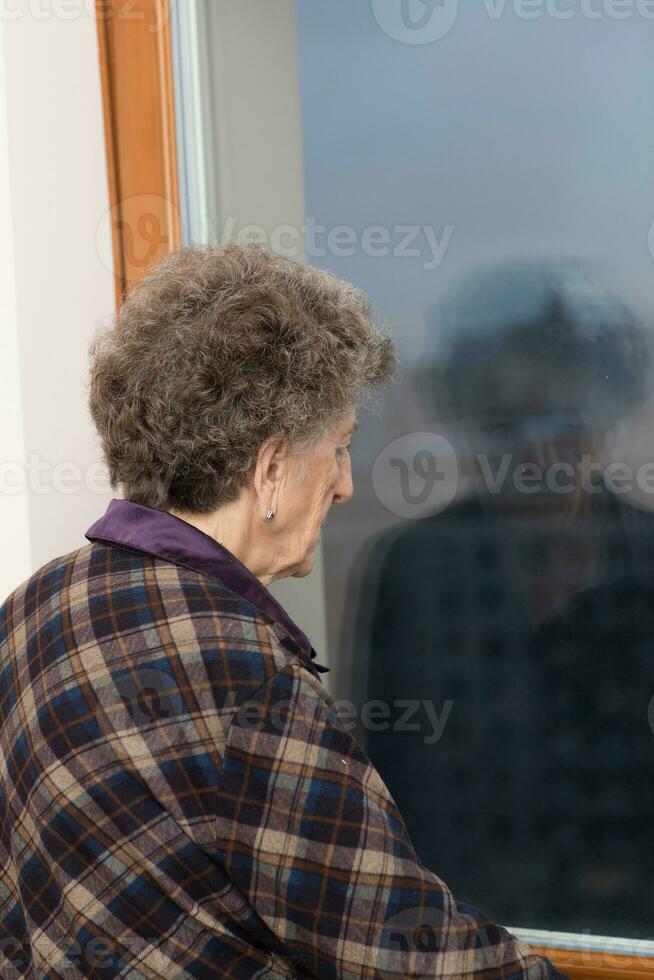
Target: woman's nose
(344, 488)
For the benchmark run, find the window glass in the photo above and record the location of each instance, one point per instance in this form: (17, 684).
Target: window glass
(484, 172)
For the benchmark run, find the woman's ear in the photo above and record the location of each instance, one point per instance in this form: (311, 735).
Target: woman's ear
(271, 472)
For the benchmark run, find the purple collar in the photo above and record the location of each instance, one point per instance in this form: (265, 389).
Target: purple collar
(158, 533)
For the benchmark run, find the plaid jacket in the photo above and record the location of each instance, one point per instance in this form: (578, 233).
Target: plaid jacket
(180, 798)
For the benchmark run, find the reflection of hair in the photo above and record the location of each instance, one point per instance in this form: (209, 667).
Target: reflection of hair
(212, 353)
(541, 341)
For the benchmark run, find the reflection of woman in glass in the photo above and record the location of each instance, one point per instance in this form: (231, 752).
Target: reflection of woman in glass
(530, 605)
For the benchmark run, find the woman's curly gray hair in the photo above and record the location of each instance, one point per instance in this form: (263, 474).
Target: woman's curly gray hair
(212, 353)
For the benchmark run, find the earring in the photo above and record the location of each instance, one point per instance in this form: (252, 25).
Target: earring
(269, 515)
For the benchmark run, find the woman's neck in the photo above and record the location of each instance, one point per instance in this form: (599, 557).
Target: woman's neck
(231, 527)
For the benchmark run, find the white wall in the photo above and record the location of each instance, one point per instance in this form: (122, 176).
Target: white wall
(57, 177)
(13, 507)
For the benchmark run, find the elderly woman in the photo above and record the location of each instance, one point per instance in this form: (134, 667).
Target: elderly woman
(180, 798)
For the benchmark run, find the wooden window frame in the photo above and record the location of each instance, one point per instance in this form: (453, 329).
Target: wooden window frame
(134, 40)
(586, 965)
(139, 117)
